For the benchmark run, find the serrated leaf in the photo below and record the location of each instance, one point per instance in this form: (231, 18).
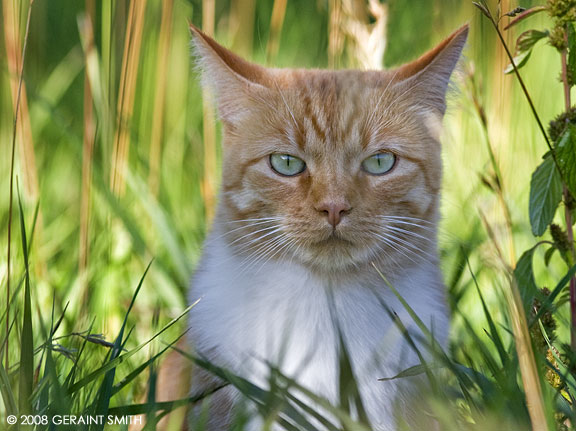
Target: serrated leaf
(545, 195)
(524, 275)
(566, 157)
(524, 45)
(528, 39)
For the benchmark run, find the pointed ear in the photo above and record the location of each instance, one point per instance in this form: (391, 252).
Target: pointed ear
(430, 74)
(234, 81)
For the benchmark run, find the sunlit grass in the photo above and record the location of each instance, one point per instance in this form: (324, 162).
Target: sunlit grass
(117, 148)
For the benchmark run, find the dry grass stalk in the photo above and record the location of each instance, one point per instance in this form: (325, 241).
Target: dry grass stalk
(522, 340)
(128, 80)
(353, 32)
(528, 368)
(87, 153)
(276, 23)
(13, 41)
(209, 126)
(241, 26)
(335, 34)
(16, 61)
(160, 96)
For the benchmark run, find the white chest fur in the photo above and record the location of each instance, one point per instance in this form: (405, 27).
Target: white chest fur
(281, 313)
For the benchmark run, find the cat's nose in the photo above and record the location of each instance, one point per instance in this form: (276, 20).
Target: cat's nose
(334, 211)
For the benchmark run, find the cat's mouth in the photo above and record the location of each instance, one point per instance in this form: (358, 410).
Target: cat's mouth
(335, 236)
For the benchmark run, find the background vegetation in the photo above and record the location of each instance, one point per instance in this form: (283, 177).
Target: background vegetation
(116, 166)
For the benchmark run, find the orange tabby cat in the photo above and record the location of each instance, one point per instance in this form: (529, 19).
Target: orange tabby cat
(327, 175)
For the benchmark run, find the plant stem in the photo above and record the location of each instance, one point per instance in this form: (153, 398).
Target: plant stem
(566, 194)
(11, 193)
(521, 81)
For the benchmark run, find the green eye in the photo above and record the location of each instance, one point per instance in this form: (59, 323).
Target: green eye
(285, 164)
(379, 164)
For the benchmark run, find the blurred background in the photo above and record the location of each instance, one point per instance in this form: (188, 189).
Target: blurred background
(117, 153)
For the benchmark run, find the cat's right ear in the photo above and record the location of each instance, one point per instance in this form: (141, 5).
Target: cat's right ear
(236, 83)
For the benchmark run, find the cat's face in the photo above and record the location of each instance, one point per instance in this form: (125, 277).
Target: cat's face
(333, 169)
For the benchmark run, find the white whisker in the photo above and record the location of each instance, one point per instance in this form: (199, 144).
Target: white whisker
(409, 232)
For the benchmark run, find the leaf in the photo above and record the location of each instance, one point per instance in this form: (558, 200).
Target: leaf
(524, 276)
(415, 370)
(525, 14)
(547, 303)
(566, 157)
(519, 60)
(524, 45)
(548, 255)
(545, 195)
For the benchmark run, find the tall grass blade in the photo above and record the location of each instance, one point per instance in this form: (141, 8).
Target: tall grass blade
(16, 70)
(160, 96)
(105, 392)
(276, 23)
(494, 334)
(109, 365)
(127, 92)
(528, 370)
(26, 370)
(87, 160)
(7, 393)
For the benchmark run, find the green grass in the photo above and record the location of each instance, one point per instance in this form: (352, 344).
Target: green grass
(83, 340)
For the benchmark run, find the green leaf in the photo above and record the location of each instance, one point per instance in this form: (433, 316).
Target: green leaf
(524, 45)
(519, 60)
(548, 255)
(415, 370)
(547, 303)
(566, 157)
(545, 195)
(524, 276)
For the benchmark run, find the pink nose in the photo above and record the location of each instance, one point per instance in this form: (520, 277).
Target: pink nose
(334, 211)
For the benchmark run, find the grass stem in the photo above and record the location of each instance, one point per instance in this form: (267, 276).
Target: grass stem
(14, 39)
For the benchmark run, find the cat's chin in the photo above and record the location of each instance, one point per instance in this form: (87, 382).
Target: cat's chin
(334, 254)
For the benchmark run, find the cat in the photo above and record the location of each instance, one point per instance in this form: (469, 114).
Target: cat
(330, 191)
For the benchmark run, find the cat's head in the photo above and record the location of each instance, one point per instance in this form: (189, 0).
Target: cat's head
(333, 169)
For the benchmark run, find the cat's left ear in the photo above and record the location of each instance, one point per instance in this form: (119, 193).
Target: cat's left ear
(236, 83)
(429, 75)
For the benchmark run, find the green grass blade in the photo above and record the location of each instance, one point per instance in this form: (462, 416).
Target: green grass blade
(26, 371)
(550, 299)
(122, 358)
(494, 334)
(7, 393)
(130, 377)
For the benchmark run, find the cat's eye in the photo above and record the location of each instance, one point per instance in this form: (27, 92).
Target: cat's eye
(379, 164)
(285, 164)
